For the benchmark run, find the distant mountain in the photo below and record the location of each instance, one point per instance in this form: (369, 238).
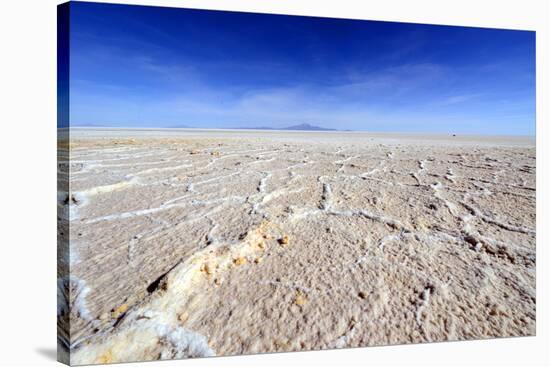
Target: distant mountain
(300, 127)
(179, 127)
(307, 127)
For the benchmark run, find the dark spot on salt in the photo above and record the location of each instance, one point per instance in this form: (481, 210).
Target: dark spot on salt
(471, 240)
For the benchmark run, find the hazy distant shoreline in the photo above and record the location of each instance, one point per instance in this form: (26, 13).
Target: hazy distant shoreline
(332, 135)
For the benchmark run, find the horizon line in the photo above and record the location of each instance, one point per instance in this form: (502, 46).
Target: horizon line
(457, 134)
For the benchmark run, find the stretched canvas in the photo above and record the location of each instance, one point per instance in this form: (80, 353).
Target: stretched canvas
(234, 183)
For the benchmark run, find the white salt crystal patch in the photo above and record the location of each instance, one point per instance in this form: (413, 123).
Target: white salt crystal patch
(161, 169)
(326, 202)
(424, 301)
(187, 343)
(343, 341)
(107, 188)
(71, 297)
(263, 180)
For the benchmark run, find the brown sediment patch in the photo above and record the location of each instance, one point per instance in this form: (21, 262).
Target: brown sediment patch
(300, 299)
(285, 240)
(240, 261)
(120, 310)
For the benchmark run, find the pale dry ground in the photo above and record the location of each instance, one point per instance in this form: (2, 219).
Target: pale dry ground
(200, 243)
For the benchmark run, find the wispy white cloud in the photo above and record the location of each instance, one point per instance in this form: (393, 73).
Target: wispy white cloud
(459, 98)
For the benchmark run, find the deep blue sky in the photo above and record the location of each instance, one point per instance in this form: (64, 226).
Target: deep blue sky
(154, 66)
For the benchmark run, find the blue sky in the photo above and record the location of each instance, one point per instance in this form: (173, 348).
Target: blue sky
(161, 67)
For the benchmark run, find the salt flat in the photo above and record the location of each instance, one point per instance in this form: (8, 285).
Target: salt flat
(191, 243)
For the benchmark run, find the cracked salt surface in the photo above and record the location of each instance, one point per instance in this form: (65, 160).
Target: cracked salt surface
(271, 241)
